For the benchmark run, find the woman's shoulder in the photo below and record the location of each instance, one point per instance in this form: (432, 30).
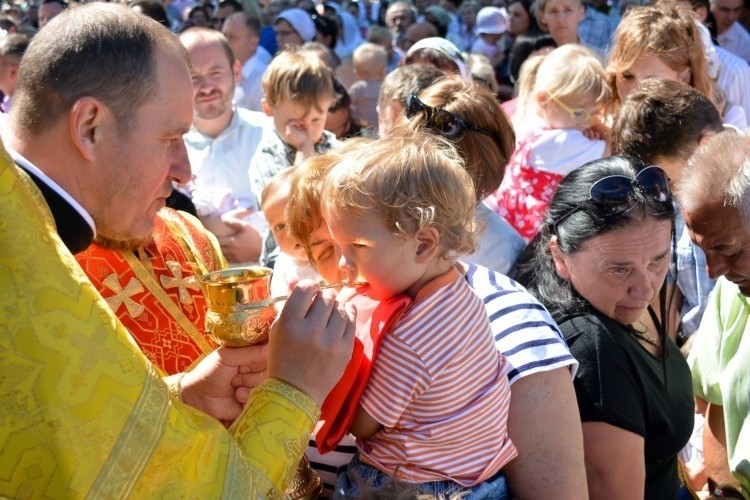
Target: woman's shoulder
(524, 330)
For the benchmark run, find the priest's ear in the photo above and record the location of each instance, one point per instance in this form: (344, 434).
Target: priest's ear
(89, 123)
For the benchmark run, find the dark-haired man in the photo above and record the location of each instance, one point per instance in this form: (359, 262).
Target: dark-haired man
(224, 9)
(12, 48)
(243, 32)
(220, 145)
(731, 34)
(102, 102)
(49, 9)
(663, 123)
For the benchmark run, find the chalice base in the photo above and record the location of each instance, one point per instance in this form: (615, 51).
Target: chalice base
(305, 485)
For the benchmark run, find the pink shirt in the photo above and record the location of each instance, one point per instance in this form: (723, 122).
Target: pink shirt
(440, 389)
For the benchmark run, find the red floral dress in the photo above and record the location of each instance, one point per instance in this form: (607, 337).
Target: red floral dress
(526, 191)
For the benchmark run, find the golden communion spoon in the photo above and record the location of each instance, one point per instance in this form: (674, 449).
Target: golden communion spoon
(281, 298)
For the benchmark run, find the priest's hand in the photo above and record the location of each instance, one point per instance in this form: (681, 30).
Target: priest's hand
(213, 385)
(253, 374)
(312, 340)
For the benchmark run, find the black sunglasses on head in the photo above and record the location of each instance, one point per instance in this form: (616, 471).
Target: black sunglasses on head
(616, 194)
(440, 120)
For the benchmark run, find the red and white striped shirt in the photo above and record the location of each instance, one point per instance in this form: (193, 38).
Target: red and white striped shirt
(440, 389)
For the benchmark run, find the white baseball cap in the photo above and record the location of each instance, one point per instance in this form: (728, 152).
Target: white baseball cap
(491, 21)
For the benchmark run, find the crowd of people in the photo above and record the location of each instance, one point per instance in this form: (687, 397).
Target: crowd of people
(511, 236)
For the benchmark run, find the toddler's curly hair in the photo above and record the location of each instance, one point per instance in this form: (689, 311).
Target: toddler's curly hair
(413, 180)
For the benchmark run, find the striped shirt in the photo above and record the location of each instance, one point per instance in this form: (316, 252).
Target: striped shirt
(523, 329)
(440, 389)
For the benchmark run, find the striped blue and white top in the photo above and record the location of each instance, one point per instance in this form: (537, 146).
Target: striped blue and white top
(524, 331)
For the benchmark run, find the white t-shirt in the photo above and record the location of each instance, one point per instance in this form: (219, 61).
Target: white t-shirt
(287, 272)
(499, 244)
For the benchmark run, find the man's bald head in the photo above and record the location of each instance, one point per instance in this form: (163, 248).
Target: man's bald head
(714, 193)
(718, 174)
(417, 32)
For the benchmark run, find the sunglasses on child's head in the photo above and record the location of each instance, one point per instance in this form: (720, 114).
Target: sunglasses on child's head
(616, 194)
(442, 121)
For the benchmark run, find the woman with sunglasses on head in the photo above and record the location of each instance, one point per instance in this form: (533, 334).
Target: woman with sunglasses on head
(459, 111)
(549, 444)
(568, 91)
(599, 260)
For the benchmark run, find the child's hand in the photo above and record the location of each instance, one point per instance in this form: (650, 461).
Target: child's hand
(591, 134)
(216, 225)
(598, 131)
(296, 136)
(238, 213)
(244, 244)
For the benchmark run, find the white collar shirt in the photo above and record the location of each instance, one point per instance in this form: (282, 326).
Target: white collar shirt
(736, 40)
(220, 165)
(249, 91)
(30, 167)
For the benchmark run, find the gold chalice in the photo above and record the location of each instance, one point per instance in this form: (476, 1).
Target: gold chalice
(240, 310)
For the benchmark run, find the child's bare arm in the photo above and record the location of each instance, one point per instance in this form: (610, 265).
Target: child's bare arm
(364, 426)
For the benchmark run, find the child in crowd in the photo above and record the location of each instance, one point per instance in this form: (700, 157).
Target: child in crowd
(370, 66)
(482, 71)
(292, 264)
(397, 86)
(298, 90)
(420, 418)
(380, 35)
(569, 90)
(490, 27)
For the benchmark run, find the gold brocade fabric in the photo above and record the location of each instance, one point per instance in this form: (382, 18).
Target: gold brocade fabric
(155, 292)
(84, 414)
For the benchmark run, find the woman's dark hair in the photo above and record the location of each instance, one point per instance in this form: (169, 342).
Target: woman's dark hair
(152, 9)
(326, 27)
(432, 57)
(535, 268)
(528, 6)
(345, 102)
(199, 8)
(523, 47)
